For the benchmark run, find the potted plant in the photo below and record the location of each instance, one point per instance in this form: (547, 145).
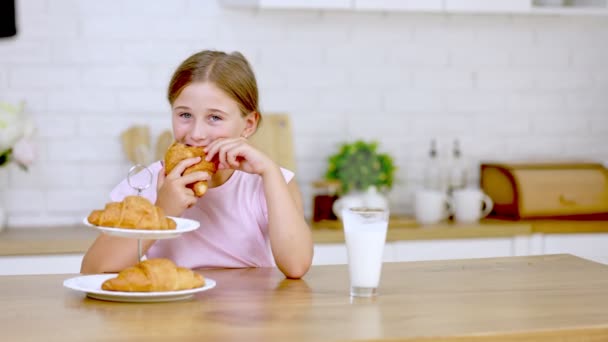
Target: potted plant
(362, 172)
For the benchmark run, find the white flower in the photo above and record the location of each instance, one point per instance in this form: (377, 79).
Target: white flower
(16, 128)
(23, 152)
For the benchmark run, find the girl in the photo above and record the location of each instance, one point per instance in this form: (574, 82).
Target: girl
(251, 215)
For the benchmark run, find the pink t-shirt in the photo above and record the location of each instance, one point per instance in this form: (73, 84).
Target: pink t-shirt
(234, 224)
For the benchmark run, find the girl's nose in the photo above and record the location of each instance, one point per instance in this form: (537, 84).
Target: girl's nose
(198, 133)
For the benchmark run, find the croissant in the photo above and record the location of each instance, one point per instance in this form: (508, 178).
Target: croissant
(133, 212)
(154, 275)
(178, 152)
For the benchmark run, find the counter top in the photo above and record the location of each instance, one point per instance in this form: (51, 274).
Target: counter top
(50, 240)
(535, 298)
(569, 227)
(78, 238)
(404, 228)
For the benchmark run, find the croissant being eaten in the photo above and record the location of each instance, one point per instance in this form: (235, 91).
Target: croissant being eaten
(133, 212)
(154, 275)
(178, 152)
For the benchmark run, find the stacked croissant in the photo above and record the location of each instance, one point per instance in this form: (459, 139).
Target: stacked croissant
(178, 152)
(137, 212)
(134, 212)
(154, 275)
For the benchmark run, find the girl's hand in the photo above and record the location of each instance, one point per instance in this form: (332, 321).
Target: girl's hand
(238, 154)
(173, 195)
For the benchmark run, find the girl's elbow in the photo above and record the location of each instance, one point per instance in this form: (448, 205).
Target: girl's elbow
(86, 269)
(298, 270)
(89, 266)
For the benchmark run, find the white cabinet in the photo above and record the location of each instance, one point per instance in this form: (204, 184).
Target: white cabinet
(41, 264)
(290, 4)
(329, 254)
(399, 5)
(332, 254)
(589, 246)
(549, 7)
(487, 6)
(588, 7)
(453, 249)
(335, 254)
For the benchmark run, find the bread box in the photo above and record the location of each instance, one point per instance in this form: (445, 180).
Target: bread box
(546, 190)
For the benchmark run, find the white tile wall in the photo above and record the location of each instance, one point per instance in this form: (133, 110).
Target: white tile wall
(506, 86)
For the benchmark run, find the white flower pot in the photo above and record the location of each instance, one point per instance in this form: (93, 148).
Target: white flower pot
(370, 198)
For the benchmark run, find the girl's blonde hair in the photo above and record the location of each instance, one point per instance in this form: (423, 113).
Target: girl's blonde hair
(229, 72)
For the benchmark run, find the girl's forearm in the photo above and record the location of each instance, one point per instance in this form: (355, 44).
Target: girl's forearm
(112, 254)
(290, 236)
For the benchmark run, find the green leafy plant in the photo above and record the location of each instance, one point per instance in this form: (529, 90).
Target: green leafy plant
(358, 166)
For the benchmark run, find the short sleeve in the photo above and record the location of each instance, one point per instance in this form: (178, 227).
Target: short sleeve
(288, 176)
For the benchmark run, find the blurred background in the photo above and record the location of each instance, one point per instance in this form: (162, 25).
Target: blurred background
(506, 85)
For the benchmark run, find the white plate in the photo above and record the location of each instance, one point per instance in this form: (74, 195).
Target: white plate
(182, 226)
(91, 285)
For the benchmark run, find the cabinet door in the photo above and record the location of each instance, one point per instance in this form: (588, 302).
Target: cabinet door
(330, 254)
(336, 254)
(290, 4)
(399, 5)
(485, 6)
(311, 4)
(589, 246)
(41, 264)
(453, 249)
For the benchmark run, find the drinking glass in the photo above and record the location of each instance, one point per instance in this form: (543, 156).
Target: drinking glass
(365, 234)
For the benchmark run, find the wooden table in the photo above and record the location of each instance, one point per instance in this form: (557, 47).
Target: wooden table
(501, 299)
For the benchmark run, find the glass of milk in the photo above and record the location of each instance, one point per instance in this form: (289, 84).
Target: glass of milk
(365, 234)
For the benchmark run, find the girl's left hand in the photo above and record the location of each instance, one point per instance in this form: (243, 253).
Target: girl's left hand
(238, 154)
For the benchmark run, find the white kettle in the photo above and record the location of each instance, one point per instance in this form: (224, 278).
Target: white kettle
(370, 199)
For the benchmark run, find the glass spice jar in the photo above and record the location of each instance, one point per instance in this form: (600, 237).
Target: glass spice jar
(325, 193)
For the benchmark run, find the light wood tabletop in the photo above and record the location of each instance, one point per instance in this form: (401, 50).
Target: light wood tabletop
(537, 298)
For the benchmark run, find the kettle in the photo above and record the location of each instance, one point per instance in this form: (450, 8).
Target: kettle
(370, 199)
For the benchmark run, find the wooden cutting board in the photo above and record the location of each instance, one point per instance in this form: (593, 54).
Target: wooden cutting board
(274, 137)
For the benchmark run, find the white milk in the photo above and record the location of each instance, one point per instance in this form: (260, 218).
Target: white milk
(365, 244)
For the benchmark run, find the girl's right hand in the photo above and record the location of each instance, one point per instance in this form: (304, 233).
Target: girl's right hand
(173, 194)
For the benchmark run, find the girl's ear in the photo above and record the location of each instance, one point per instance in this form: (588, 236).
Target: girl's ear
(251, 124)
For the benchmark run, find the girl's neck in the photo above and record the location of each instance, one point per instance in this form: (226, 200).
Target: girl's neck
(220, 177)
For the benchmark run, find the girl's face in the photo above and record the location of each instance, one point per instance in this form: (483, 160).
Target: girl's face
(202, 113)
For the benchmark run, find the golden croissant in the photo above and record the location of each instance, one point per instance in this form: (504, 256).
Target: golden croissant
(154, 275)
(178, 152)
(134, 212)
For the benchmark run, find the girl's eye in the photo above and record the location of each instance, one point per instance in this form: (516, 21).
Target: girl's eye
(185, 115)
(214, 118)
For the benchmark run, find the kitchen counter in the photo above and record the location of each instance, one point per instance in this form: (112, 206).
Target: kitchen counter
(49, 240)
(78, 238)
(569, 227)
(536, 298)
(405, 228)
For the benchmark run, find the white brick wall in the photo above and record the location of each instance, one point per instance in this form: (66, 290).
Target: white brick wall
(505, 86)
